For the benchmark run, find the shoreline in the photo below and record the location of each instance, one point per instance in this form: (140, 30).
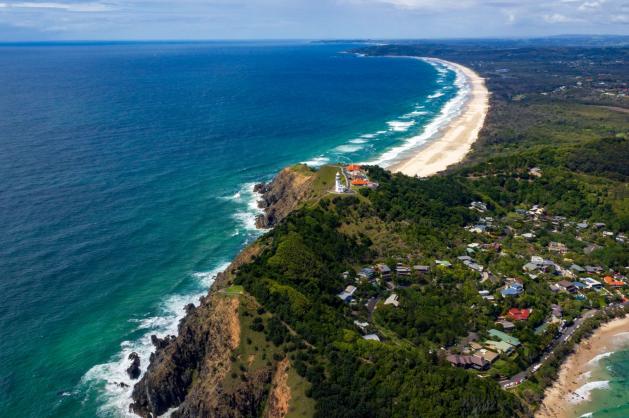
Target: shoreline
(453, 141)
(569, 390)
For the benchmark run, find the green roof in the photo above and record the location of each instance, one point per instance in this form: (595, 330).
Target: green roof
(504, 337)
(541, 329)
(500, 346)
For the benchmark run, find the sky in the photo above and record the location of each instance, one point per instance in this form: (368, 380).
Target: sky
(306, 19)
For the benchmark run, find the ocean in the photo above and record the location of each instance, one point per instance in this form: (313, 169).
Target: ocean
(126, 174)
(604, 392)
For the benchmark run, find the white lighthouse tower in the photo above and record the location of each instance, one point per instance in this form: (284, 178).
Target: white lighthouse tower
(338, 186)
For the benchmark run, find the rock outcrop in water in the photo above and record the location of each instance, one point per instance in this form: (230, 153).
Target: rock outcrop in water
(134, 369)
(288, 189)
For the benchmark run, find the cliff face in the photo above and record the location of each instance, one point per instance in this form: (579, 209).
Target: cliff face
(288, 189)
(189, 373)
(206, 338)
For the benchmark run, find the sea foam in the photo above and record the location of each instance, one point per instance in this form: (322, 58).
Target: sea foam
(103, 380)
(449, 111)
(584, 392)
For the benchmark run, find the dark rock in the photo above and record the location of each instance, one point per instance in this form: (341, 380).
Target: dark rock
(260, 188)
(134, 369)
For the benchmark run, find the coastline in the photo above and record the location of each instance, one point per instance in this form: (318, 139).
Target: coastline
(572, 384)
(454, 140)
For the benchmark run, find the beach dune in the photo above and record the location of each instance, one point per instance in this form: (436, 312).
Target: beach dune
(454, 141)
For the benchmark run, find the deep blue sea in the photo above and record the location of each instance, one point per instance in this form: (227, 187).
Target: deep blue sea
(125, 184)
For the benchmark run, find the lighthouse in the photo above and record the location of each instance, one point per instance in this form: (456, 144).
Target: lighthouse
(338, 186)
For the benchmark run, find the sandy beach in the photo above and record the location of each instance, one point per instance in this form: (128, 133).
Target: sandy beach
(573, 384)
(455, 140)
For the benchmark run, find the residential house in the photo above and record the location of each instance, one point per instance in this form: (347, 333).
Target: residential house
(347, 294)
(384, 270)
(464, 361)
(592, 284)
(519, 314)
(443, 263)
(514, 289)
(393, 299)
(610, 281)
(367, 273)
(567, 286)
(499, 346)
(557, 247)
(421, 269)
(506, 325)
(402, 270)
(504, 337)
(371, 337)
(489, 356)
(577, 269)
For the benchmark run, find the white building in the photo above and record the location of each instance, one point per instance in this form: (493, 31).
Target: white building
(338, 186)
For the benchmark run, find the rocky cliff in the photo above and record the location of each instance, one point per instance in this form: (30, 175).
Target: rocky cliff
(189, 374)
(285, 193)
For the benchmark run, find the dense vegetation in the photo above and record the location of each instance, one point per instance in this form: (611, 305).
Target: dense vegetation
(547, 113)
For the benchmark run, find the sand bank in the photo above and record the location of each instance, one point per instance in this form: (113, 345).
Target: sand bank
(455, 140)
(573, 384)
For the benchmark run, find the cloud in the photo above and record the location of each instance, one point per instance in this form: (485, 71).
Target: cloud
(591, 5)
(560, 18)
(620, 19)
(68, 7)
(421, 4)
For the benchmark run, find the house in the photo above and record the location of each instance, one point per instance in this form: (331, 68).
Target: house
(384, 270)
(504, 337)
(557, 313)
(610, 281)
(362, 325)
(592, 284)
(465, 258)
(541, 329)
(499, 346)
(472, 265)
(479, 206)
(513, 289)
(579, 285)
(371, 337)
(519, 314)
(421, 269)
(506, 325)
(367, 273)
(567, 286)
(531, 267)
(353, 169)
(474, 362)
(402, 270)
(557, 247)
(528, 235)
(347, 294)
(577, 269)
(488, 356)
(594, 269)
(393, 299)
(443, 263)
(360, 182)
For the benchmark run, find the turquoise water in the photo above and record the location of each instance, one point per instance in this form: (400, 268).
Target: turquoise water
(125, 184)
(610, 398)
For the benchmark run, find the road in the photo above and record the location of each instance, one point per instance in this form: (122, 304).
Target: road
(565, 335)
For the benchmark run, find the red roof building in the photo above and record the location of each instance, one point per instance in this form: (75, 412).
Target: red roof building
(360, 182)
(613, 282)
(519, 314)
(353, 167)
